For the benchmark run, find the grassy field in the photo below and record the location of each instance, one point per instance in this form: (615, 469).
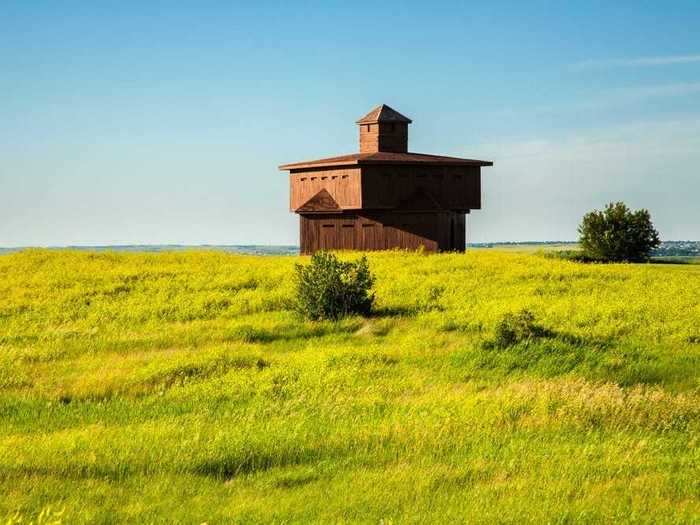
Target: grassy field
(179, 387)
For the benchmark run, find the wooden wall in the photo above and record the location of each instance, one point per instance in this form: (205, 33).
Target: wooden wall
(343, 184)
(454, 187)
(384, 136)
(393, 206)
(441, 231)
(389, 187)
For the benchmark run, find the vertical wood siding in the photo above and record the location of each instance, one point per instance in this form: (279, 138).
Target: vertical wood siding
(342, 184)
(384, 136)
(443, 231)
(454, 187)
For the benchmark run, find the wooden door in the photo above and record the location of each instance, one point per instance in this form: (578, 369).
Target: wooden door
(347, 236)
(328, 236)
(369, 236)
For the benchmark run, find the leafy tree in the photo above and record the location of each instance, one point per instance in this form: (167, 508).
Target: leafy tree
(618, 234)
(329, 288)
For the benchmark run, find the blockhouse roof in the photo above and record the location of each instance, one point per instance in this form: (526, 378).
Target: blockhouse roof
(383, 113)
(386, 157)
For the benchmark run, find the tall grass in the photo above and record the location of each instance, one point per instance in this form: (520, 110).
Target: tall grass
(181, 387)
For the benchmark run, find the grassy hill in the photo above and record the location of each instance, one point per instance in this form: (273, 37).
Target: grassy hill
(180, 387)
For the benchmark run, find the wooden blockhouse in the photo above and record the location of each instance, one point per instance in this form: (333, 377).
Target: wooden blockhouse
(384, 197)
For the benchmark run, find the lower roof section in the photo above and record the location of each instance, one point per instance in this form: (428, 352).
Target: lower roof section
(385, 157)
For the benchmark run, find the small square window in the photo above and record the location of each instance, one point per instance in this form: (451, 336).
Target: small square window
(345, 176)
(303, 179)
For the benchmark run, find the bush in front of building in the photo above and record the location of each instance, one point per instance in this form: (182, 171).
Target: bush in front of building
(329, 288)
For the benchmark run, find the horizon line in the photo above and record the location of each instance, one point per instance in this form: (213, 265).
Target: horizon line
(254, 245)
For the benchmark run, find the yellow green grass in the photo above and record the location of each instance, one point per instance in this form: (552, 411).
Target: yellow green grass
(180, 387)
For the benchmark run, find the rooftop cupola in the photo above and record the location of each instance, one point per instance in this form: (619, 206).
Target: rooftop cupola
(384, 129)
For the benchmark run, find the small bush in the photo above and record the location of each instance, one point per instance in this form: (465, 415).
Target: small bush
(516, 328)
(617, 234)
(329, 288)
(570, 255)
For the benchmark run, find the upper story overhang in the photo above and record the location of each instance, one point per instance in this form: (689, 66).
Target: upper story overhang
(383, 157)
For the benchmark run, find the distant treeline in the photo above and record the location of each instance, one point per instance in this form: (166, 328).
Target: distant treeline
(667, 248)
(671, 248)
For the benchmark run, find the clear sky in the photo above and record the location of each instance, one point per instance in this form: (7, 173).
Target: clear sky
(164, 122)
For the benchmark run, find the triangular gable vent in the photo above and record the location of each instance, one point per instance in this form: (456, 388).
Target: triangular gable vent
(320, 202)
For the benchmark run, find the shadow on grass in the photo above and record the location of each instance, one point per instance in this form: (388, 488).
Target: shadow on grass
(227, 466)
(557, 354)
(676, 260)
(252, 461)
(394, 311)
(290, 332)
(292, 481)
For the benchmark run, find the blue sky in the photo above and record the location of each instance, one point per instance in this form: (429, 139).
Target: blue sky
(162, 122)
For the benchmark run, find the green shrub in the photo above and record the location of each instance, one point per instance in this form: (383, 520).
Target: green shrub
(618, 234)
(329, 288)
(515, 328)
(570, 255)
